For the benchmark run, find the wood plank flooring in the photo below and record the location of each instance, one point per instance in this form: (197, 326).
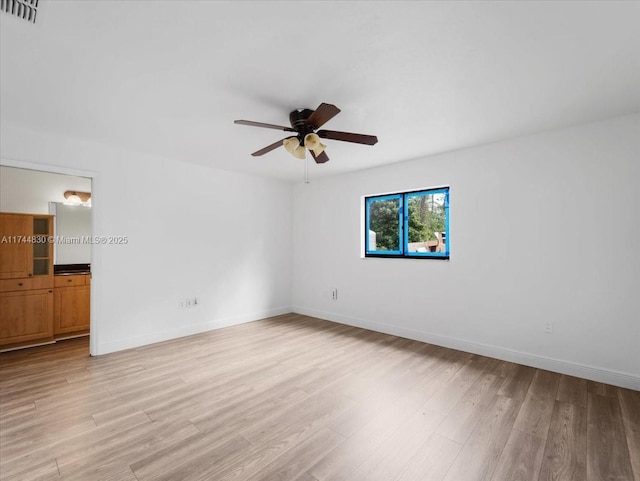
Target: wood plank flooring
(297, 398)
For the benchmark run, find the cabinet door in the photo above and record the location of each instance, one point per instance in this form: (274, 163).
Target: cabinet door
(15, 251)
(26, 316)
(42, 249)
(72, 309)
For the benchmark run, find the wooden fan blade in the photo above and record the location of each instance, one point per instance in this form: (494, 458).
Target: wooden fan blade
(348, 137)
(269, 148)
(322, 115)
(320, 159)
(262, 124)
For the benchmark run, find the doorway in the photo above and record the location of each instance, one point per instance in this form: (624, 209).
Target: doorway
(36, 189)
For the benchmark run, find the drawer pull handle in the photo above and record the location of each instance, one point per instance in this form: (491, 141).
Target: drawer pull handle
(20, 284)
(69, 280)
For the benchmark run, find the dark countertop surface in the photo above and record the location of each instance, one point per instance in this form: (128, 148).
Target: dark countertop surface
(71, 269)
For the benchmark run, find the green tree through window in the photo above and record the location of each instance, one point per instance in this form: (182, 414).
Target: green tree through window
(426, 216)
(384, 222)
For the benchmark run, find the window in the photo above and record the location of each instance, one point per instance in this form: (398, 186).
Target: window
(408, 224)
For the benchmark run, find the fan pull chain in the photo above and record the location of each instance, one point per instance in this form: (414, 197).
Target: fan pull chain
(306, 167)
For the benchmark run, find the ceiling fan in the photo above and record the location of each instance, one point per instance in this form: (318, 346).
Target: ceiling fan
(305, 124)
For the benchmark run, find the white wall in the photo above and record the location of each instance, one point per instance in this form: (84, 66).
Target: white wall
(29, 191)
(543, 228)
(193, 231)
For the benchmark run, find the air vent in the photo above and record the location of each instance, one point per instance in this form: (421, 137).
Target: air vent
(24, 9)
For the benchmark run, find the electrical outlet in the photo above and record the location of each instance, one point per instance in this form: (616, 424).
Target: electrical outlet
(548, 327)
(334, 294)
(195, 301)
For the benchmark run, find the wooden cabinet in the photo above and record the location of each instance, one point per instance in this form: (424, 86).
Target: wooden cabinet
(15, 261)
(26, 316)
(42, 247)
(26, 279)
(35, 306)
(72, 299)
(25, 247)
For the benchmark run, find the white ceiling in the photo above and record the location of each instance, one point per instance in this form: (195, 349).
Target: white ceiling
(169, 77)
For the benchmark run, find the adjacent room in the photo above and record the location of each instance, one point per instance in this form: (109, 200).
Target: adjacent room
(319, 240)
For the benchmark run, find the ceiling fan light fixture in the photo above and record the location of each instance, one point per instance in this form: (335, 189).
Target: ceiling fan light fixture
(292, 144)
(312, 142)
(300, 153)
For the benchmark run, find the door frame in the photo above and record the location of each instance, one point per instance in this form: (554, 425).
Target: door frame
(96, 249)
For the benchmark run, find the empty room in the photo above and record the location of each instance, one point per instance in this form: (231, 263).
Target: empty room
(319, 240)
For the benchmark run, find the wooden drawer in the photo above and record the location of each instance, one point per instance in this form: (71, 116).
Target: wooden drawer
(71, 280)
(26, 284)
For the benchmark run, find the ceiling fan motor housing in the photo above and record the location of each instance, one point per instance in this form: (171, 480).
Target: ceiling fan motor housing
(298, 119)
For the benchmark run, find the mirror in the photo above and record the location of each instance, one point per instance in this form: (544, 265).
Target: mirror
(72, 228)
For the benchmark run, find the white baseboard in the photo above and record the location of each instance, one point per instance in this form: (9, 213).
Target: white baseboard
(592, 373)
(154, 337)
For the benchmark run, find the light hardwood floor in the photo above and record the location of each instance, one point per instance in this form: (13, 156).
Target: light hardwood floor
(297, 398)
